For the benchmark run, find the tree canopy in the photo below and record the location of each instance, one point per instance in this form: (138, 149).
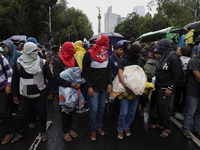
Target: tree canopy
(169, 13)
(31, 18)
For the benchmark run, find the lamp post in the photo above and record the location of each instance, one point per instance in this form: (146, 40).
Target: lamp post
(50, 9)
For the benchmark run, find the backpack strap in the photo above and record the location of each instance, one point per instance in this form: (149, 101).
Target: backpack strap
(1, 61)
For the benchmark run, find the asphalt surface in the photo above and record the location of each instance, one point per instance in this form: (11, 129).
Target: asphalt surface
(142, 138)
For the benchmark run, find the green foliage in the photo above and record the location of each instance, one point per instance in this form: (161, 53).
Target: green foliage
(169, 13)
(31, 18)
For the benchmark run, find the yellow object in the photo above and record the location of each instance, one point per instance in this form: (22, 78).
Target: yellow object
(79, 53)
(189, 37)
(148, 91)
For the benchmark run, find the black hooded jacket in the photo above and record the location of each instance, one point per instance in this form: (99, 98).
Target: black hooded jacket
(168, 70)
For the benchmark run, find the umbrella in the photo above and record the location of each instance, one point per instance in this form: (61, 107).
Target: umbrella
(178, 31)
(18, 38)
(114, 37)
(121, 42)
(194, 25)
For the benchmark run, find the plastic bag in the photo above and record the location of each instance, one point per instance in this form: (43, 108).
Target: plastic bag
(134, 78)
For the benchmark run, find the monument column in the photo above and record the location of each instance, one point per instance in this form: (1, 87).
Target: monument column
(99, 21)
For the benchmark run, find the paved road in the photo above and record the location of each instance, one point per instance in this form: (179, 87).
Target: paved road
(142, 137)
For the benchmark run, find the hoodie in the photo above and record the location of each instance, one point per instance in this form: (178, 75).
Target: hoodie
(13, 55)
(189, 37)
(168, 70)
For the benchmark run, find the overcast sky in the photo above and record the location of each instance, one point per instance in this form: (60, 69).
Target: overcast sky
(121, 7)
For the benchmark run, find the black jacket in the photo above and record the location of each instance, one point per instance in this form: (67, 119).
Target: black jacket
(168, 75)
(58, 67)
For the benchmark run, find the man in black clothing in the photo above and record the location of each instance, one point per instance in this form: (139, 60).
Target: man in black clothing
(167, 75)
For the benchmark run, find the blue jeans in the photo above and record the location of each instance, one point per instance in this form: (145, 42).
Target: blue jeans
(127, 113)
(96, 109)
(192, 110)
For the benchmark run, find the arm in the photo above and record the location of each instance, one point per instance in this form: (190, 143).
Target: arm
(197, 75)
(85, 70)
(109, 88)
(9, 73)
(121, 79)
(15, 83)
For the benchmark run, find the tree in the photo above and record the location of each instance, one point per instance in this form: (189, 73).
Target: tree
(31, 17)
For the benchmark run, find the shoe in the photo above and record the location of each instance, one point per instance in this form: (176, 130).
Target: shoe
(120, 135)
(101, 132)
(179, 116)
(127, 132)
(7, 138)
(17, 138)
(32, 126)
(93, 136)
(73, 134)
(187, 134)
(44, 136)
(67, 137)
(82, 110)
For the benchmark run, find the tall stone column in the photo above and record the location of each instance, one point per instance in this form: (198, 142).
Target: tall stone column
(99, 21)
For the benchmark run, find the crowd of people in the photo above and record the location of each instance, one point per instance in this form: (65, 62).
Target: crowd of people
(33, 74)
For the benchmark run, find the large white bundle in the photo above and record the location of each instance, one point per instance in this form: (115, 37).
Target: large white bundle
(134, 78)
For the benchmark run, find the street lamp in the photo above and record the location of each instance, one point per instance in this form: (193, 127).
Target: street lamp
(50, 9)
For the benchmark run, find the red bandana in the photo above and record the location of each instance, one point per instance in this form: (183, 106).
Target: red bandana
(99, 50)
(67, 53)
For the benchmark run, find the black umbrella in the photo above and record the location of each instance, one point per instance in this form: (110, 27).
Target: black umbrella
(194, 25)
(114, 37)
(178, 31)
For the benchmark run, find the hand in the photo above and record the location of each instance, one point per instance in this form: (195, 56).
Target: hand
(16, 101)
(90, 91)
(168, 92)
(109, 88)
(8, 90)
(73, 85)
(50, 97)
(128, 90)
(77, 86)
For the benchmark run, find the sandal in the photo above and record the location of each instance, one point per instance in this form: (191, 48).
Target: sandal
(7, 139)
(67, 137)
(165, 133)
(154, 126)
(73, 133)
(17, 138)
(187, 134)
(127, 132)
(120, 135)
(101, 132)
(44, 136)
(93, 136)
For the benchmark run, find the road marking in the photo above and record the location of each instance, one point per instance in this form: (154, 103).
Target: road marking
(194, 138)
(37, 140)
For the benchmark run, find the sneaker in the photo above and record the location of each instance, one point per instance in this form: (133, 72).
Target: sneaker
(82, 110)
(179, 116)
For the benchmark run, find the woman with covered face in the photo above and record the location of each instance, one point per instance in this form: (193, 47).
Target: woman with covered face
(98, 76)
(64, 61)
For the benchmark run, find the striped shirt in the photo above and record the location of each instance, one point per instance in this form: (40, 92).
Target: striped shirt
(5, 73)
